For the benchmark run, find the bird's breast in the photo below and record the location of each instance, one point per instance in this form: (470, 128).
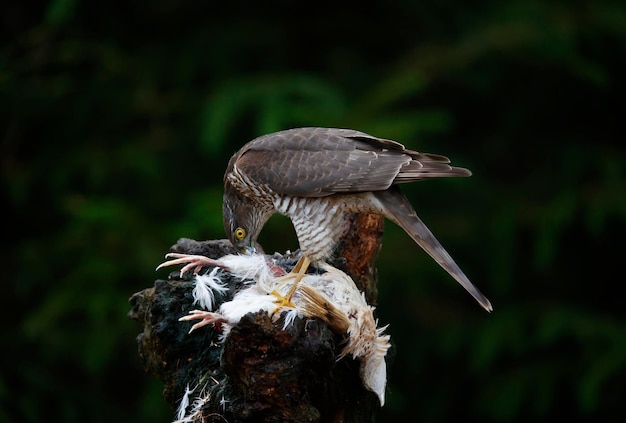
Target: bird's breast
(319, 223)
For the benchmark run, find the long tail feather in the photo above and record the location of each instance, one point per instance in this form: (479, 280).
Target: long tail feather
(399, 210)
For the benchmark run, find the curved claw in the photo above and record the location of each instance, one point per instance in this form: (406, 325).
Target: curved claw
(205, 317)
(193, 261)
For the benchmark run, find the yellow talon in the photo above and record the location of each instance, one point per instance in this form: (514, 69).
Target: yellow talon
(282, 301)
(299, 270)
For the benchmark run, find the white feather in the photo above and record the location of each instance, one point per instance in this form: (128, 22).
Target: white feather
(246, 301)
(290, 316)
(196, 407)
(184, 403)
(205, 288)
(250, 267)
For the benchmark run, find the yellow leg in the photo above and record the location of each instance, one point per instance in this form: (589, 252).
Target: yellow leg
(301, 266)
(299, 270)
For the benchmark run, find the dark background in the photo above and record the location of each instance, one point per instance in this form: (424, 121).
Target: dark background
(118, 119)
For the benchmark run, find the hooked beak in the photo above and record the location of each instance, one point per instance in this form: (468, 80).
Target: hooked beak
(248, 249)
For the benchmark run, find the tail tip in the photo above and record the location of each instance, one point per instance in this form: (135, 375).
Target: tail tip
(486, 304)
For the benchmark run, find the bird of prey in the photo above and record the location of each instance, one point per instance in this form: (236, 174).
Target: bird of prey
(316, 176)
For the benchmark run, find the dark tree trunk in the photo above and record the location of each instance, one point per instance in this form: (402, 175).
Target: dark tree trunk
(260, 372)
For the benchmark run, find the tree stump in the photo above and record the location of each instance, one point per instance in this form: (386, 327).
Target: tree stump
(260, 372)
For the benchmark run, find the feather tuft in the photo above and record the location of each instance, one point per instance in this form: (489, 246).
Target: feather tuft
(184, 403)
(289, 316)
(205, 288)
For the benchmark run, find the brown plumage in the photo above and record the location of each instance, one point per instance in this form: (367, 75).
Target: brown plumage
(315, 176)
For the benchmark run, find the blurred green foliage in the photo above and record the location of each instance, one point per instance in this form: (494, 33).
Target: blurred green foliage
(118, 120)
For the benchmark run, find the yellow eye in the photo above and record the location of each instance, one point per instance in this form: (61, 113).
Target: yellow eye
(240, 233)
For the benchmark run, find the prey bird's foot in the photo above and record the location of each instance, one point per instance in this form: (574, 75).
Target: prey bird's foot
(205, 317)
(191, 261)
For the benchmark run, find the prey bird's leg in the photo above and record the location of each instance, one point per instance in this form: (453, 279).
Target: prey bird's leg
(301, 267)
(205, 317)
(299, 270)
(299, 264)
(195, 262)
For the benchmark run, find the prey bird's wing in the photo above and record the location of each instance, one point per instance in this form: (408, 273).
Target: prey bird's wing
(317, 162)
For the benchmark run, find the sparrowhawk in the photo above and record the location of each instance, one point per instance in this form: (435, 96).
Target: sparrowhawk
(316, 176)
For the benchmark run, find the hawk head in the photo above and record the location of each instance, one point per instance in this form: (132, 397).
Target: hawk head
(243, 220)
